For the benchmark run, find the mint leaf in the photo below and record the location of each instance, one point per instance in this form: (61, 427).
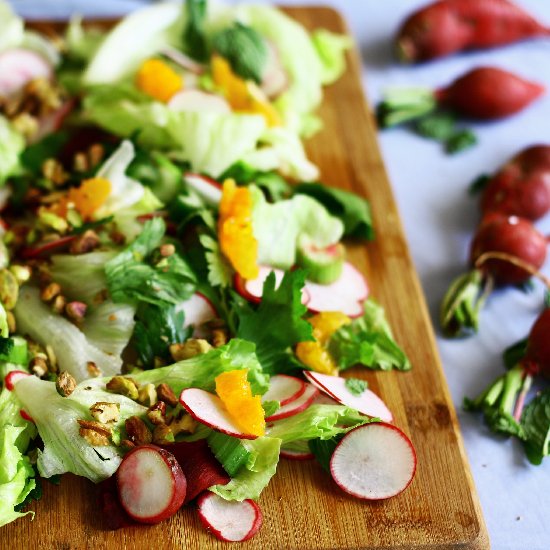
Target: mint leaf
(356, 386)
(244, 49)
(351, 209)
(368, 341)
(535, 422)
(323, 449)
(277, 324)
(460, 141)
(439, 126)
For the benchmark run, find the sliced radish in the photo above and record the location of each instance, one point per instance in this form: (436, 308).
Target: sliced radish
(252, 289)
(18, 67)
(53, 121)
(195, 101)
(323, 399)
(296, 406)
(40, 250)
(335, 386)
(198, 309)
(183, 61)
(210, 190)
(208, 409)
(112, 513)
(374, 461)
(151, 484)
(297, 450)
(229, 520)
(284, 389)
(13, 377)
(346, 294)
(26, 416)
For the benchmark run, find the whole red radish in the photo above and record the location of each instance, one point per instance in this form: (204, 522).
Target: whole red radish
(151, 484)
(522, 186)
(488, 93)
(506, 250)
(449, 26)
(509, 236)
(537, 356)
(484, 93)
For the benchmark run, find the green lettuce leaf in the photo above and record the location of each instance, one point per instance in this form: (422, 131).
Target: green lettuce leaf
(316, 422)
(70, 345)
(331, 48)
(200, 371)
(252, 479)
(57, 418)
(351, 209)
(368, 341)
(277, 324)
(12, 27)
(11, 146)
(81, 276)
(16, 475)
(278, 227)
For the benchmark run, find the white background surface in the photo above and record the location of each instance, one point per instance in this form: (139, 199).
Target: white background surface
(439, 217)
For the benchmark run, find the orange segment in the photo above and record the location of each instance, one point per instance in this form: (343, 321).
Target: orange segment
(314, 354)
(243, 96)
(159, 80)
(245, 409)
(237, 241)
(91, 194)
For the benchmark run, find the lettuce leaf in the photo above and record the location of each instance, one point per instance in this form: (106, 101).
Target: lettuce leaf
(278, 227)
(331, 49)
(72, 349)
(316, 422)
(368, 341)
(12, 27)
(252, 479)
(11, 146)
(277, 324)
(16, 475)
(351, 209)
(200, 371)
(56, 420)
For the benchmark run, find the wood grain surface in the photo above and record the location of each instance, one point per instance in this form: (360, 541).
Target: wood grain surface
(302, 506)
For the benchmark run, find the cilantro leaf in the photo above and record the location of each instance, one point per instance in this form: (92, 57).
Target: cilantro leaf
(351, 209)
(156, 329)
(440, 126)
(535, 422)
(277, 324)
(133, 275)
(460, 141)
(368, 341)
(219, 270)
(245, 50)
(356, 386)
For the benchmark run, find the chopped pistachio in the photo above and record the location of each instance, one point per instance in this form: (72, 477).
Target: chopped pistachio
(147, 395)
(190, 348)
(123, 386)
(65, 384)
(105, 412)
(9, 289)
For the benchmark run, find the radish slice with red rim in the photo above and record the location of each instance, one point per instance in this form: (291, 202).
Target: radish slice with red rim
(19, 66)
(198, 310)
(297, 450)
(284, 389)
(151, 484)
(335, 386)
(374, 461)
(208, 409)
(346, 294)
(196, 101)
(252, 289)
(296, 406)
(13, 377)
(210, 190)
(229, 520)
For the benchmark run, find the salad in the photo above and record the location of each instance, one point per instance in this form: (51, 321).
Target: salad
(176, 302)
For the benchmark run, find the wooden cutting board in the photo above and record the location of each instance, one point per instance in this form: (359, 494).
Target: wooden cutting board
(302, 507)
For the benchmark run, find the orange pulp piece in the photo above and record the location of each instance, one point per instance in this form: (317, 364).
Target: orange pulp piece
(237, 241)
(91, 194)
(245, 409)
(158, 80)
